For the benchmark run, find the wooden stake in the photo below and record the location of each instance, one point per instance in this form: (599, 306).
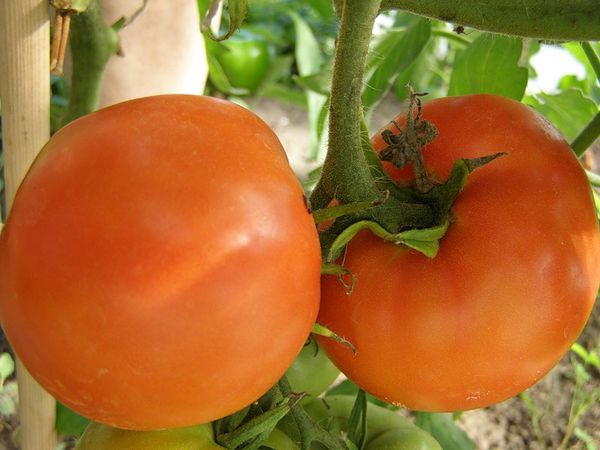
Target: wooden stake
(25, 96)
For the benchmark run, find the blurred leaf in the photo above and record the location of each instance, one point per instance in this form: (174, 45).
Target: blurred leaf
(444, 430)
(323, 8)
(572, 82)
(308, 52)
(309, 60)
(347, 387)
(68, 422)
(490, 65)
(590, 441)
(319, 82)
(391, 55)
(570, 111)
(8, 399)
(284, 93)
(236, 10)
(7, 367)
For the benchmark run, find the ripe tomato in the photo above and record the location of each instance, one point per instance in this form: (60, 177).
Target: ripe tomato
(513, 283)
(159, 267)
(102, 437)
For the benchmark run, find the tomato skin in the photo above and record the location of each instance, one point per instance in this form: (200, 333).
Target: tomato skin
(511, 288)
(102, 437)
(159, 267)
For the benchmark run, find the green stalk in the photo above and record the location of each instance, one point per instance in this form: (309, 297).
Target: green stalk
(346, 175)
(541, 19)
(92, 44)
(590, 133)
(587, 136)
(592, 57)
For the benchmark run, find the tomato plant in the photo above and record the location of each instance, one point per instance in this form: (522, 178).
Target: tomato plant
(511, 287)
(102, 437)
(159, 267)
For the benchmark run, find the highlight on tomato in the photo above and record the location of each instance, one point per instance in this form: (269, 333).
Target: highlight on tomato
(159, 267)
(512, 285)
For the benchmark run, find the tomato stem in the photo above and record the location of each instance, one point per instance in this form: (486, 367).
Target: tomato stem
(587, 136)
(92, 45)
(542, 19)
(346, 174)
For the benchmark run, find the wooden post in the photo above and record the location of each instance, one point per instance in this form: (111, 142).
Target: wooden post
(25, 96)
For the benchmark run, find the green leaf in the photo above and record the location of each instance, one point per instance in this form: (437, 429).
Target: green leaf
(424, 240)
(569, 111)
(357, 422)
(444, 430)
(319, 82)
(490, 65)
(323, 8)
(236, 10)
(252, 433)
(391, 55)
(309, 61)
(7, 367)
(68, 422)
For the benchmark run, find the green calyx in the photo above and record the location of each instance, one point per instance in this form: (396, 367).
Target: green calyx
(416, 216)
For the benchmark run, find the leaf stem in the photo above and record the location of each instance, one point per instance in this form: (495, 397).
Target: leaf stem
(587, 136)
(592, 57)
(542, 19)
(92, 44)
(346, 174)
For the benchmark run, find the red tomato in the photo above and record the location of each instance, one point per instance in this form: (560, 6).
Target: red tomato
(513, 283)
(159, 267)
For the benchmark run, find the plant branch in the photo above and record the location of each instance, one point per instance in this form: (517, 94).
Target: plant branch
(587, 136)
(592, 57)
(542, 19)
(92, 44)
(346, 175)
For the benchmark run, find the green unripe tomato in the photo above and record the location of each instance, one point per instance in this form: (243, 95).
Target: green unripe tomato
(312, 371)
(102, 437)
(245, 61)
(403, 439)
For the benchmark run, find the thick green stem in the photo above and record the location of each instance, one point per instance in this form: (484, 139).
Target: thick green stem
(346, 175)
(92, 44)
(587, 136)
(542, 19)
(592, 57)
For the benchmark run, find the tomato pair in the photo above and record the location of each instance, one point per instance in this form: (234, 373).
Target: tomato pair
(159, 267)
